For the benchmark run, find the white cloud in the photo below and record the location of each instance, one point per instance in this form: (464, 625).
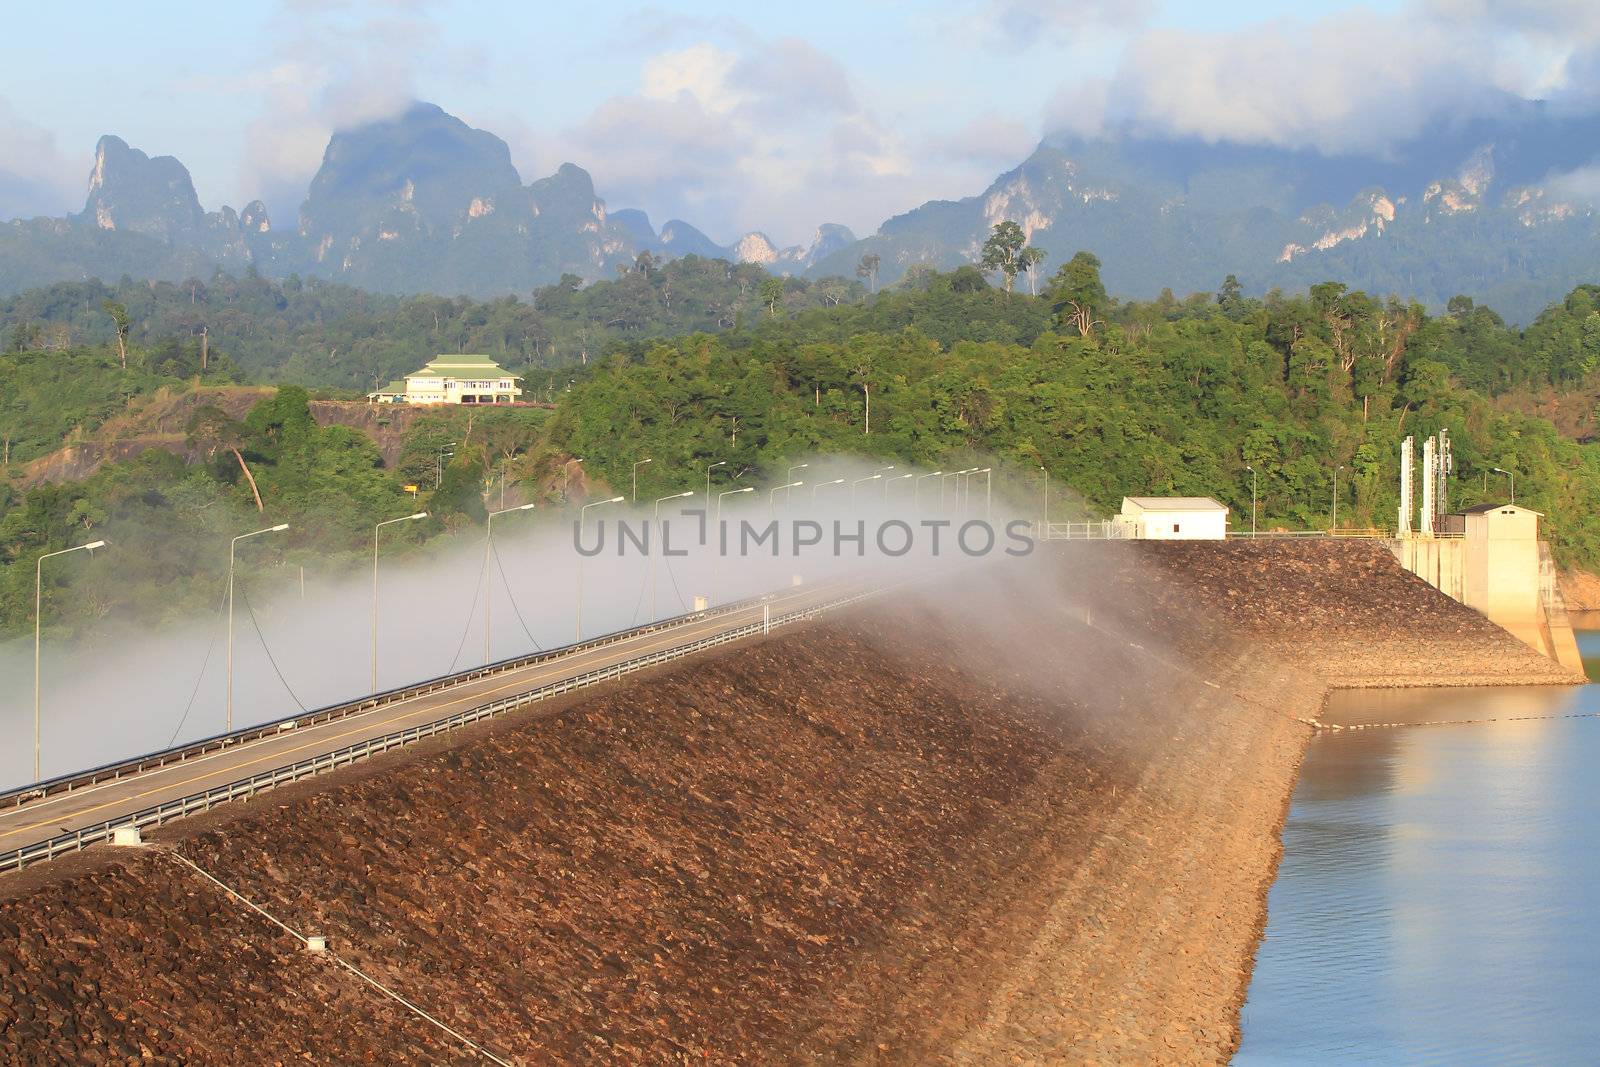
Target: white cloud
(1357, 79)
(1022, 23)
(1353, 80)
(748, 134)
(1582, 184)
(35, 178)
(334, 66)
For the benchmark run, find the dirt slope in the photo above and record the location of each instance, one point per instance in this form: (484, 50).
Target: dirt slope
(1030, 817)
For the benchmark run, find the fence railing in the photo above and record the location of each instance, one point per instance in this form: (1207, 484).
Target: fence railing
(155, 815)
(1093, 530)
(66, 783)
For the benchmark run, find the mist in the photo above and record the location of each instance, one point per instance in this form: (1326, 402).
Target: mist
(303, 640)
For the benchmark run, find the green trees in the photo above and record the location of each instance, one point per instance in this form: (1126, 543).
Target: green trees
(1077, 295)
(1165, 396)
(868, 269)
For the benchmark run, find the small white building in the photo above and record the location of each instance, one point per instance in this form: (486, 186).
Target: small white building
(1173, 518)
(459, 379)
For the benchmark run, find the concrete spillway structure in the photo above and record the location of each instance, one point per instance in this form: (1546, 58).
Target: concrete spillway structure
(1489, 557)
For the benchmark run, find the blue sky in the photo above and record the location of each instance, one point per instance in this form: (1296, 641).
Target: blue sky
(741, 116)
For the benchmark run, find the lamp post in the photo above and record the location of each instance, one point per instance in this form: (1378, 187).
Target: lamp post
(718, 463)
(438, 462)
(38, 605)
(583, 513)
(716, 551)
(1333, 521)
(635, 496)
(988, 492)
(962, 478)
(858, 481)
(797, 467)
(771, 493)
(656, 525)
(375, 529)
(882, 470)
(823, 485)
(1513, 478)
(1252, 471)
(488, 586)
(232, 545)
(1044, 503)
(916, 490)
(896, 478)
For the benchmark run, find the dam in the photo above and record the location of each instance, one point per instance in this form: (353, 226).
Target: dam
(1029, 810)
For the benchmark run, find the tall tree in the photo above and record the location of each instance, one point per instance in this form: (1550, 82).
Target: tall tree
(1003, 251)
(868, 269)
(1076, 293)
(1030, 258)
(119, 319)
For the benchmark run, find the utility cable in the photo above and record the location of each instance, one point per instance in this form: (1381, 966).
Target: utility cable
(335, 957)
(472, 610)
(268, 650)
(682, 603)
(195, 692)
(537, 647)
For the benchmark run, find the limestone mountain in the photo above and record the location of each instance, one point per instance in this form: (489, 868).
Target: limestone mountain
(421, 202)
(1483, 207)
(131, 192)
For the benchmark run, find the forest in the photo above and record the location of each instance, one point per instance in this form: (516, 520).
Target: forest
(1171, 396)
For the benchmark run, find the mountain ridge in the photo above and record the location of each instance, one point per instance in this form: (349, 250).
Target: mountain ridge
(423, 202)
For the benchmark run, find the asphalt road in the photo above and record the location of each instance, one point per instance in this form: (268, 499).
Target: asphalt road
(47, 817)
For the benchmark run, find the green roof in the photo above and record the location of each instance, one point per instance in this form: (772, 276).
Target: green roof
(459, 366)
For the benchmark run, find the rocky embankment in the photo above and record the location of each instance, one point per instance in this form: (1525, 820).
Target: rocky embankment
(1027, 815)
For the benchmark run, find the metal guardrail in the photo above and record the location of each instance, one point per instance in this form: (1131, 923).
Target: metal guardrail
(1339, 533)
(155, 815)
(110, 772)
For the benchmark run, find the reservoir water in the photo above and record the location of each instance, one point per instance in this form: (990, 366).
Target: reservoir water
(1439, 896)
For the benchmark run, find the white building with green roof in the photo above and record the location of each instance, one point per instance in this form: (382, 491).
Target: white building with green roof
(460, 379)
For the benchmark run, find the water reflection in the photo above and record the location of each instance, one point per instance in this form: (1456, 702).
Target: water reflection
(1437, 898)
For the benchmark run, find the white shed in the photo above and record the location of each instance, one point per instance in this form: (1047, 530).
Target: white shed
(1173, 518)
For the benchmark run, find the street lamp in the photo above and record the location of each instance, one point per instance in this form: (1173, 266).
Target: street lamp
(858, 481)
(488, 586)
(1044, 505)
(375, 529)
(1252, 471)
(823, 485)
(962, 477)
(438, 462)
(774, 492)
(583, 513)
(916, 490)
(232, 545)
(988, 492)
(718, 463)
(896, 478)
(636, 466)
(1513, 478)
(716, 550)
(1334, 519)
(38, 605)
(656, 526)
(796, 467)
